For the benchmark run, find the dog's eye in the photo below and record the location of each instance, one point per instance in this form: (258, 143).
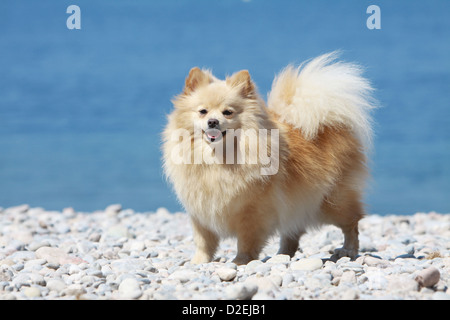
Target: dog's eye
(227, 113)
(203, 111)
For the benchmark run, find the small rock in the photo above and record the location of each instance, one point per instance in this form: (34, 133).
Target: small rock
(353, 266)
(183, 275)
(22, 256)
(348, 277)
(73, 268)
(28, 278)
(118, 231)
(163, 212)
(18, 266)
(74, 290)
(127, 265)
(54, 266)
(279, 258)
(94, 237)
(18, 209)
(343, 260)
(312, 283)
(276, 279)
(113, 209)
(263, 284)
(33, 246)
(34, 265)
(95, 273)
(130, 289)
(350, 294)
(428, 277)
(137, 246)
(410, 249)
(56, 256)
(307, 264)
(241, 291)
(32, 292)
(226, 274)
(372, 261)
(7, 262)
(262, 296)
(287, 278)
(250, 268)
(401, 284)
(69, 212)
(405, 256)
(56, 285)
(6, 274)
(376, 280)
(62, 228)
(263, 268)
(8, 296)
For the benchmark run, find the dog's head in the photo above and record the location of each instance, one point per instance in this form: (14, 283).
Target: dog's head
(214, 106)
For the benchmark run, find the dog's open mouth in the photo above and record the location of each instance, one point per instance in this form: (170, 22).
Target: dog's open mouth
(214, 135)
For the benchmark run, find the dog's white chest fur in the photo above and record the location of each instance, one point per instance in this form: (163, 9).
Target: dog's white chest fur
(214, 193)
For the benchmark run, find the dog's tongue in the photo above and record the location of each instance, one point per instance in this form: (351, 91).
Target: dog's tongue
(213, 133)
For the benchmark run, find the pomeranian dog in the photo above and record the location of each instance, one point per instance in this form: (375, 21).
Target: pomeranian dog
(247, 170)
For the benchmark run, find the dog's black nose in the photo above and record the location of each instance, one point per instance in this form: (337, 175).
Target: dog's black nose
(212, 123)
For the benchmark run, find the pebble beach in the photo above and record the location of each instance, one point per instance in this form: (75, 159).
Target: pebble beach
(117, 253)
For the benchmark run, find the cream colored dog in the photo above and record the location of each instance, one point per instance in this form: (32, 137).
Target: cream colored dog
(246, 170)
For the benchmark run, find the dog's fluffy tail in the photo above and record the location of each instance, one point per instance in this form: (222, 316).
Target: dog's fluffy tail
(324, 92)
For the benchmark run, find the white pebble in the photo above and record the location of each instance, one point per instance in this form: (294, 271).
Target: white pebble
(130, 289)
(279, 258)
(226, 274)
(32, 292)
(241, 291)
(56, 285)
(307, 264)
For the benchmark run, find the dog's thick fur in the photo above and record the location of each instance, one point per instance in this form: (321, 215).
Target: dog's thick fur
(321, 110)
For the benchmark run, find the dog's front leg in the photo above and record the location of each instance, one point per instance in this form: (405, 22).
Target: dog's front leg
(250, 244)
(206, 243)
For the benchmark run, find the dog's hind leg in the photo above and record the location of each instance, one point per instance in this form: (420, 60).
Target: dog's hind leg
(351, 243)
(345, 213)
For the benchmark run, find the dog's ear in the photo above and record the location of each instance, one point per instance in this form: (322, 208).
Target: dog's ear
(195, 79)
(242, 79)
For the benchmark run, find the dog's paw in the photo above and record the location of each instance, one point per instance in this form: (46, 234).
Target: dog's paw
(200, 257)
(242, 259)
(344, 252)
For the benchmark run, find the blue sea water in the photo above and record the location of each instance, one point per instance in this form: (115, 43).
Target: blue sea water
(81, 111)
